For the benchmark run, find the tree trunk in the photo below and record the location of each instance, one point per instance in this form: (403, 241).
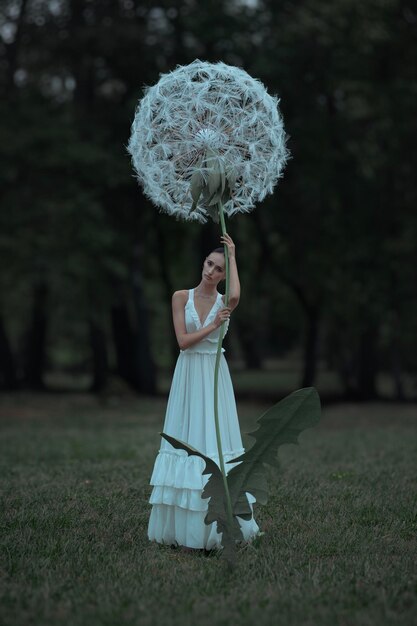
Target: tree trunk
(8, 377)
(396, 371)
(396, 360)
(143, 364)
(166, 281)
(346, 370)
(249, 344)
(99, 354)
(123, 341)
(36, 340)
(367, 363)
(310, 309)
(311, 344)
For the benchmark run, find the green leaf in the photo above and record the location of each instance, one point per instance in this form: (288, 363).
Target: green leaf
(213, 192)
(281, 424)
(213, 212)
(231, 176)
(196, 187)
(214, 178)
(222, 175)
(214, 490)
(226, 194)
(197, 184)
(215, 198)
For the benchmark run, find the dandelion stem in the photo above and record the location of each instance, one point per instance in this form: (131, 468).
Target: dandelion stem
(216, 384)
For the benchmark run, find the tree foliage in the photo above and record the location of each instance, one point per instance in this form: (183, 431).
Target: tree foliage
(332, 254)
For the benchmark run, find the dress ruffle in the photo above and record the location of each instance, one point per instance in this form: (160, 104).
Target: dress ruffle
(178, 479)
(173, 525)
(178, 510)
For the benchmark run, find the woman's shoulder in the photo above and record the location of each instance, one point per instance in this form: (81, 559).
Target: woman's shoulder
(180, 296)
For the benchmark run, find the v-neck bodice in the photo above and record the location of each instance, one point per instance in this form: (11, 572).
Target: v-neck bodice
(193, 324)
(208, 316)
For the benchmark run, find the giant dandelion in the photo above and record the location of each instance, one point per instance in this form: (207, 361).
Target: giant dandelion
(208, 140)
(205, 133)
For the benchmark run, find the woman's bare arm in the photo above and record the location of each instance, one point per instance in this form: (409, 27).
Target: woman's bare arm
(186, 340)
(234, 283)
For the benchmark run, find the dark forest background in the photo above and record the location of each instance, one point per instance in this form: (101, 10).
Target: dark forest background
(327, 264)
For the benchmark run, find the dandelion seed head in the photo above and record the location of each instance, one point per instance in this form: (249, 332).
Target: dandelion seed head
(206, 108)
(210, 138)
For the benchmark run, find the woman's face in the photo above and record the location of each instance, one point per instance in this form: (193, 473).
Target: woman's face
(213, 268)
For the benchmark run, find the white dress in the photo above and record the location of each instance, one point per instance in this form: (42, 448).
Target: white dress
(178, 511)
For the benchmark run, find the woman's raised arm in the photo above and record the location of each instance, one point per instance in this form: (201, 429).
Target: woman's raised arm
(186, 340)
(234, 283)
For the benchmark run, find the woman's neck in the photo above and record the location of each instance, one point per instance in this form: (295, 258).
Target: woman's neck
(206, 291)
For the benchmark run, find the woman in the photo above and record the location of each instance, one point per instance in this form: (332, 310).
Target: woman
(178, 511)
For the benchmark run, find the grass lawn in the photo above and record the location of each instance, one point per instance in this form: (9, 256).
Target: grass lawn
(340, 526)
